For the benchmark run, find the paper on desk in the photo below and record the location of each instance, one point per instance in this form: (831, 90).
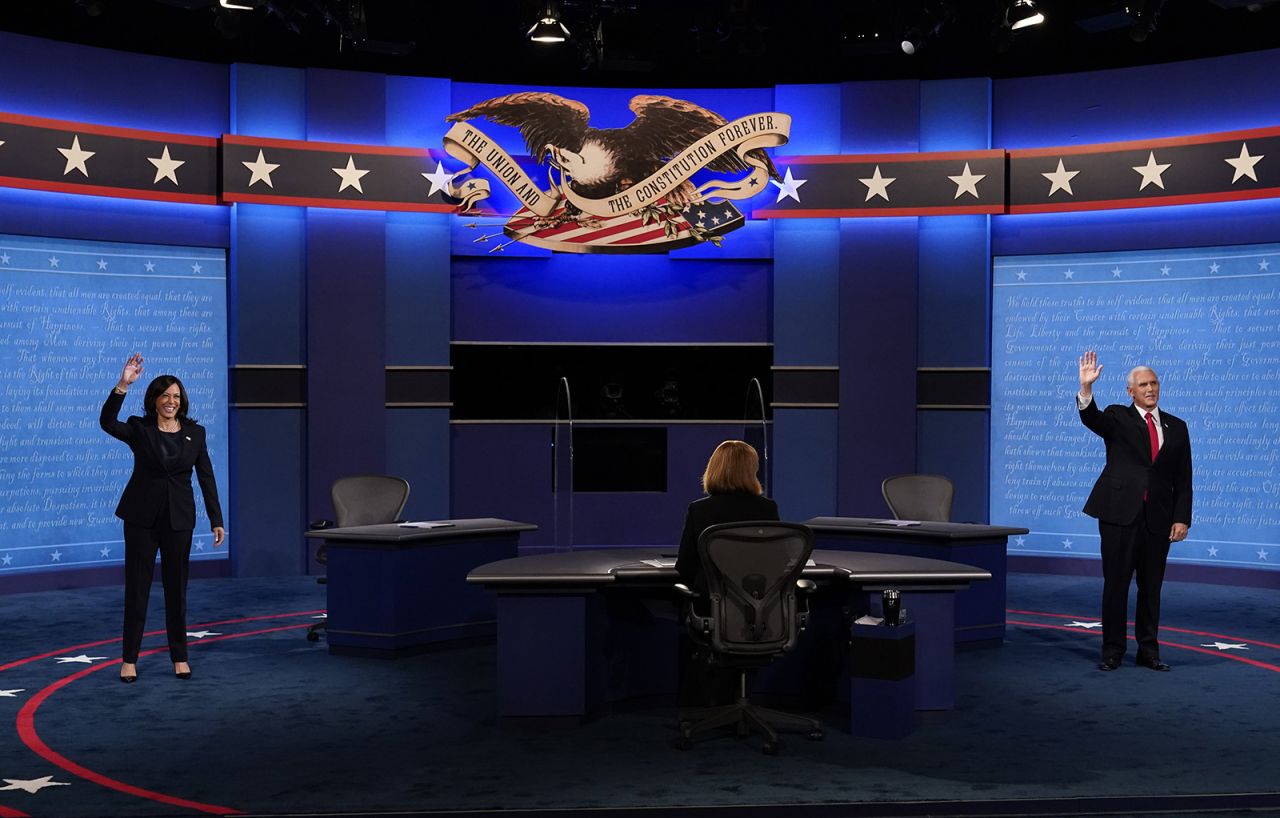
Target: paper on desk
(660, 563)
(898, 523)
(426, 525)
(868, 619)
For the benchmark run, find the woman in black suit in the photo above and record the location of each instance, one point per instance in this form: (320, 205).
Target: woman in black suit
(158, 507)
(734, 495)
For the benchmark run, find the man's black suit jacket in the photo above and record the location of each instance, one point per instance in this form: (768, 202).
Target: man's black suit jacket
(1129, 473)
(152, 485)
(712, 510)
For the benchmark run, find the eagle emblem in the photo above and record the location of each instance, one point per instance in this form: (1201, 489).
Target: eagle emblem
(603, 178)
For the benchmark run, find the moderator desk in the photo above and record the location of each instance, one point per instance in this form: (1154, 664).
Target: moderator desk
(394, 589)
(980, 614)
(580, 630)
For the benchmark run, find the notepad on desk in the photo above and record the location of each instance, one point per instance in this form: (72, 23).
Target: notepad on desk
(661, 562)
(896, 523)
(426, 525)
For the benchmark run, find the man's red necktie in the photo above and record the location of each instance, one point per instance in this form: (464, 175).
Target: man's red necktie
(1155, 437)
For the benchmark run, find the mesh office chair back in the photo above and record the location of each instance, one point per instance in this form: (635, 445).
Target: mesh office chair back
(368, 499)
(751, 571)
(919, 496)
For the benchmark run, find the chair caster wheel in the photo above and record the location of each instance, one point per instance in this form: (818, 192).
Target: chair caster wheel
(312, 636)
(770, 748)
(815, 735)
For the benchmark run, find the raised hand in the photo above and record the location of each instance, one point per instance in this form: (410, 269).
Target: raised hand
(1090, 369)
(132, 370)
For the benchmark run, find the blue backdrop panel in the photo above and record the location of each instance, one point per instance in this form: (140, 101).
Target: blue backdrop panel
(72, 312)
(804, 462)
(418, 451)
(1205, 319)
(267, 505)
(504, 471)
(268, 257)
(878, 319)
(627, 298)
(956, 443)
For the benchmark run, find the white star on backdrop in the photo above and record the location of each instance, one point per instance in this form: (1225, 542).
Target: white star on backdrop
(1069, 274)
(102, 264)
(82, 659)
(1226, 646)
(11, 694)
(350, 175)
(56, 556)
(151, 266)
(1213, 268)
(1085, 625)
(53, 261)
(1262, 553)
(1244, 164)
(76, 158)
(33, 785)
(166, 168)
(878, 185)
(1213, 550)
(7, 559)
(439, 180)
(1264, 265)
(4, 258)
(1164, 271)
(788, 188)
(1021, 541)
(196, 268)
(260, 170)
(1060, 179)
(105, 551)
(202, 634)
(1151, 172)
(967, 182)
(1066, 544)
(1022, 275)
(1115, 272)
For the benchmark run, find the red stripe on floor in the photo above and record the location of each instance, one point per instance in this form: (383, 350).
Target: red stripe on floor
(1214, 652)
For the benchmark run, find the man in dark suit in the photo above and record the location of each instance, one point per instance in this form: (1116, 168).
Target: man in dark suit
(1142, 501)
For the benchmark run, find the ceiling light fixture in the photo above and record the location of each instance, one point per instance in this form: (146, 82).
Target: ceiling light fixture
(548, 29)
(239, 5)
(1023, 14)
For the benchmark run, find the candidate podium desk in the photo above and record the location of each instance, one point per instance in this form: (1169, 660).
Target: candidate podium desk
(395, 589)
(581, 630)
(980, 614)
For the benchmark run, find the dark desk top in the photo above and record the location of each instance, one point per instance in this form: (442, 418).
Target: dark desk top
(877, 526)
(392, 533)
(606, 566)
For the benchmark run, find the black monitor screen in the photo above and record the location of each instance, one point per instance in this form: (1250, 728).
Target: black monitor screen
(622, 459)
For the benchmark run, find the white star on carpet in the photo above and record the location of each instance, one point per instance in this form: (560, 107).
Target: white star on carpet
(151, 266)
(196, 268)
(11, 694)
(260, 170)
(102, 264)
(1244, 164)
(967, 182)
(321, 616)
(1060, 179)
(33, 785)
(1, 141)
(1213, 268)
(1264, 266)
(1151, 172)
(166, 168)
(1226, 646)
(1086, 625)
(1164, 271)
(439, 180)
(1069, 274)
(788, 188)
(878, 185)
(351, 175)
(202, 634)
(82, 659)
(76, 158)
(1213, 550)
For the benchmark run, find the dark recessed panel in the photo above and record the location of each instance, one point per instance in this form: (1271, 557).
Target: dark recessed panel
(959, 388)
(806, 386)
(620, 459)
(268, 386)
(417, 386)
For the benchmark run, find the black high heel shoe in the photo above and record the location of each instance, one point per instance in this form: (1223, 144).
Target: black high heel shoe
(130, 679)
(186, 674)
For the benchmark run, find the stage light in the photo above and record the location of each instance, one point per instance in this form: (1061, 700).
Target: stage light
(548, 29)
(912, 41)
(1022, 14)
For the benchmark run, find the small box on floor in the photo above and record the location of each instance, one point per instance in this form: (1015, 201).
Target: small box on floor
(882, 665)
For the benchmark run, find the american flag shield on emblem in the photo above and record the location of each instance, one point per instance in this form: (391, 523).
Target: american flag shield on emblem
(657, 229)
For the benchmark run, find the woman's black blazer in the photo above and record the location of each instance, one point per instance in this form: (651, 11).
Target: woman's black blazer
(152, 486)
(712, 510)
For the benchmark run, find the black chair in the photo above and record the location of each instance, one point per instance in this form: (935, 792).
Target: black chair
(919, 496)
(753, 613)
(363, 499)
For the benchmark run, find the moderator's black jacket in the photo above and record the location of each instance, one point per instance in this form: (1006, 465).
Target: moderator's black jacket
(152, 485)
(1129, 473)
(712, 510)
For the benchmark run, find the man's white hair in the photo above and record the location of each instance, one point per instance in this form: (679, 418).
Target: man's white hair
(1133, 374)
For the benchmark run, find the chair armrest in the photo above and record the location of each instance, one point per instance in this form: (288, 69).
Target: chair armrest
(685, 591)
(806, 586)
(318, 525)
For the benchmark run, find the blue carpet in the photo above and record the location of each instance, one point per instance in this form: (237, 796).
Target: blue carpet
(272, 724)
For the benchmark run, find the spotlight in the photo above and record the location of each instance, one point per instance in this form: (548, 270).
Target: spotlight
(912, 41)
(548, 29)
(1023, 13)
